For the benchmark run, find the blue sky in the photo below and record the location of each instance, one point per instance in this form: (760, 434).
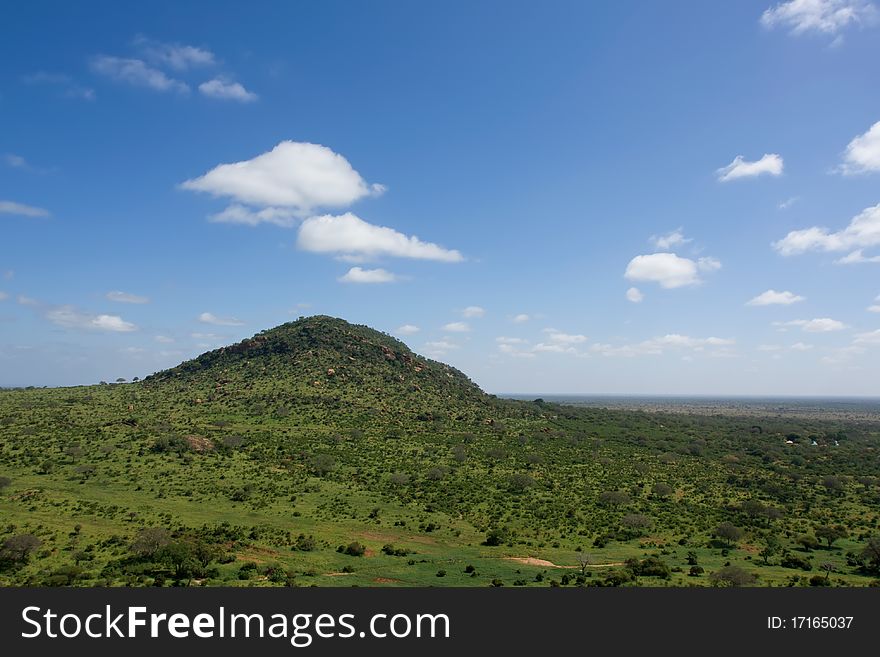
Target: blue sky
(629, 197)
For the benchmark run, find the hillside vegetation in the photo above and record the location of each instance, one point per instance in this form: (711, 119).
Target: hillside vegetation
(324, 453)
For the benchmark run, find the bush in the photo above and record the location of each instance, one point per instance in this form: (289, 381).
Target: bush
(355, 549)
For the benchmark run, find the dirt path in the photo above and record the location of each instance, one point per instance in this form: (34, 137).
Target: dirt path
(533, 561)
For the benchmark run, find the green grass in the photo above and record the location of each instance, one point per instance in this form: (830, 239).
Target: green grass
(241, 452)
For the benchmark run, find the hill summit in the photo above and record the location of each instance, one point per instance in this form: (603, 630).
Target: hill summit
(325, 363)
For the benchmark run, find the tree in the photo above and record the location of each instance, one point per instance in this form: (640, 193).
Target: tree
(829, 533)
(771, 548)
(150, 540)
(519, 482)
(322, 464)
(74, 451)
(662, 490)
(732, 576)
(871, 552)
(730, 533)
(4, 482)
(614, 498)
(636, 522)
(17, 549)
(584, 561)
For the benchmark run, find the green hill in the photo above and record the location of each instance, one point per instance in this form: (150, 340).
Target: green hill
(327, 369)
(325, 453)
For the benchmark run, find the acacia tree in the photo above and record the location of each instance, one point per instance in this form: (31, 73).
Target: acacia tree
(729, 532)
(584, 561)
(829, 533)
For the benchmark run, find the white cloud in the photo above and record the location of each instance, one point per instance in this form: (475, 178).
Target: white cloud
(770, 163)
(27, 301)
(136, 72)
(863, 231)
(164, 339)
(125, 297)
(441, 345)
(473, 311)
(872, 337)
(521, 318)
(294, 175)
(3, 295)
(800, 346)
(174, 55)
(239, 214)
(787, 203)
(512, 350)
(358, 275)
(509, 341)
(457, 327)
(210, 318)
(64, 83)
(559, 337)
(70, 317)
(407, 329)
(823, 16)
(874, 309)
(349, 235)
(10, 207)
(769, 347)
(819, 325)
(225, 89)
(772, 297)
(863, 153)
(670, 240)
(635, 295)
(658, 345)
(668, 269)
(14, 161)
(857, 257)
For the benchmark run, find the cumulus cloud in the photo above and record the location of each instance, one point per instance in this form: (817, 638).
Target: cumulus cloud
(658, 345)
(670, 240)
(350, 236)
(800, 346)
(558, 337)
(358, 275)
(473, 311)
(871, 337)
(787, 203)
(22, 210)
(875, 308)
(772, 297)
(210, 318)
(174, 55)
(457, 327)
(293, 175)
(502, 339)
(635, 295)
(125, 297)
(819, 325)
(407, 329)
(862, 154)
(862, 232)
(440, 346)
(137, 73)
(822, 16)
(521, 318)
(770, 164)
(226, 89)
(857, 257)
(669, 270)
(239, 214)
(71, 317)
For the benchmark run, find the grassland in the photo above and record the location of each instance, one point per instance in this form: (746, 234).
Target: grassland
(326, 454)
